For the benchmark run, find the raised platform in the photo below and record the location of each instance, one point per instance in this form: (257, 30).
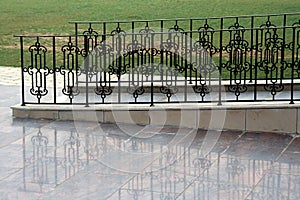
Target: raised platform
(266, 117)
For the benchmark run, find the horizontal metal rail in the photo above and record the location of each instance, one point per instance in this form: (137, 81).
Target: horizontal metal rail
(236, 60)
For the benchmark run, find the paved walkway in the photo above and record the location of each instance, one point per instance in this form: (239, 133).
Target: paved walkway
(10, 76)
(41, 159)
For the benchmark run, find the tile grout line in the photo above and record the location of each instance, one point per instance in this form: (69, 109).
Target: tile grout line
(140, 173)
(28, 132)
(25, 134)
(221, 153)
(268, 170)
(283, 151)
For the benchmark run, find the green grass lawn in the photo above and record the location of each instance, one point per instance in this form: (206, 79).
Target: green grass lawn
(52, 16)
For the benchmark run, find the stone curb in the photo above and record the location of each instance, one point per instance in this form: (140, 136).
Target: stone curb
(282, 118)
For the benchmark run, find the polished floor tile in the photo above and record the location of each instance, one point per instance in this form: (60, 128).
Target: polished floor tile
(229, 177)
(54, 159)
(255, 145)
(277, 186)
(44, 159)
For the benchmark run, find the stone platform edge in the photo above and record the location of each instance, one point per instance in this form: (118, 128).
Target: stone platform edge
(262, 117)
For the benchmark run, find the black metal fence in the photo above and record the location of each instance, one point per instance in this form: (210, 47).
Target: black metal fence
(245, 58)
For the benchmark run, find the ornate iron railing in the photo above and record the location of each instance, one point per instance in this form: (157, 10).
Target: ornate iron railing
(246, 58)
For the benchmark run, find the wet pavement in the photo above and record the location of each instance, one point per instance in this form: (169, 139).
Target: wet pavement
(43, 159)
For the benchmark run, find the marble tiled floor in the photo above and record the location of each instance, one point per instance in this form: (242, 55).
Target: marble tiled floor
(41, 159)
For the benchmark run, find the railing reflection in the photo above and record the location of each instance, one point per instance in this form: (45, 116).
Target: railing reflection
(39, 158)
(51, 156)
(47, 163)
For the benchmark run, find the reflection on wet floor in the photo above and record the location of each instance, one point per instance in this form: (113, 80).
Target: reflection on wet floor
(65, 160)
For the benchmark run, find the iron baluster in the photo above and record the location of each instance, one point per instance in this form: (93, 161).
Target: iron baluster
(22, 71)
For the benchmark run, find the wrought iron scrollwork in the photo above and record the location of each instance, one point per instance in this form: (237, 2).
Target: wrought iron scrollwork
(118, 30)
(168, 91)
(69, 70)
(133, 48)
(90, 40)
(237, 89)
(103, 91)
(169, 46)
(136, 91)
(146, 31)
(90, 43)
(118, 69)
(103, 56)
(202, 64)
(271, 63)
(203, 67)
(202, 89)
(176, 28)
(206, 36)
(38, 70)
(169, 81)
(238, 64)
(147, 70)
(168, 67)
(274, 88)
(268, 24)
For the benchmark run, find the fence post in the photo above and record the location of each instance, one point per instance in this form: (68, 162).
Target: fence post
(220, 63)
(54, 70)
(76, 34)
(251, 49)
(86, 67)
(255, 64)
(22, 72)
(293, 66)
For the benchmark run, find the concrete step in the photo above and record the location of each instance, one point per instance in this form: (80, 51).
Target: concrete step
(270, 117)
